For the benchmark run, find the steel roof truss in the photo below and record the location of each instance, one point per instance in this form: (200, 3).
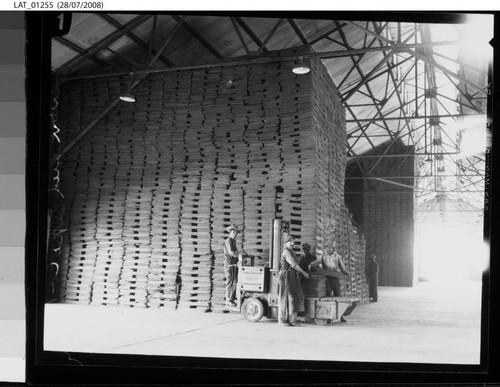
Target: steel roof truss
(250, 33)
(122, 57)
(326, 34)
(271, 34)
(167, 41)
(360, 71)
(240, 36)
(198, 37)
(358, 60)
(134, 37)
(82, 51)
(363, 133)
(298, 31)
(72, 63)
(443, 69)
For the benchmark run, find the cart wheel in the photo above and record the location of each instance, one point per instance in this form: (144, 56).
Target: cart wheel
(252, 309)
(321, 321)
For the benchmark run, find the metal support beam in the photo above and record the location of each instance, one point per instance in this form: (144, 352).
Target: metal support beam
(298, 31)
(432, 62)
(238, 32)
(271, 34)
(387, 56)
(414, 117)
(250, 33)
(260, 60)
(89, 127)
(403, 155)
(360, 71)
(115, 102)
(134, 37)
(81, 51)
(403, 177)
(197, 36)
(324, 34)
(104, 42)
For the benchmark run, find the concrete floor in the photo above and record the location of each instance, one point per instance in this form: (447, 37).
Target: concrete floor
(425, 324)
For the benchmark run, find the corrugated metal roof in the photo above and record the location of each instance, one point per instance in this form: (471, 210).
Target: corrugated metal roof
(88, 29)
(61, 54)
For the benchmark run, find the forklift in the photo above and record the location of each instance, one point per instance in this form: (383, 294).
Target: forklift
(257, 288)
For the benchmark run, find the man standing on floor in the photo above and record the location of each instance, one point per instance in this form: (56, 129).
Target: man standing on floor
(372, 278)
(230, 265)
(332, 261)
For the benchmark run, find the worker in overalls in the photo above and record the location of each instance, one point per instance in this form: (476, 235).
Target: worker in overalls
(230, 265)
(291, 298)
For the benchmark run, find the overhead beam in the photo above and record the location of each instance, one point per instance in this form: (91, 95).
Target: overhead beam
(259, 60)
(387, 56)
(271, 34)
(403, 155)
(113, 103)
(366, 78)
(414, 117)
(422, 57)
(89, 127)
(250, 33)
(363, 129)
(240, 36)
(445, 70)
(104, 42)
(134, 37)
(81, 50)
(324, 35)
(167, 41)
(396, 84)
(197, 36)
(404, 177)
(298, 31)
(360, 71)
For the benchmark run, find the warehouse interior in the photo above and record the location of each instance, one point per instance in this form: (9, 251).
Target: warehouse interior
(367, 130)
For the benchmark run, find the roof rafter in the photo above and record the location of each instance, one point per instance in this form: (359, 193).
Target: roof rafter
(82, 51)
(71, 64)
(197, 36)
(298, 31)
(271, 34)
(240, 36)
(250, 33)
(134, 37)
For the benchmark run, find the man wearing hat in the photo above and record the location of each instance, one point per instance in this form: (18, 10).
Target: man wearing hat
(291, 298)
(230, 265)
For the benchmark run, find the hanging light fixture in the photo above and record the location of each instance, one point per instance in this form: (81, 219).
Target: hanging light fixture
(128, 96)
(300, 67)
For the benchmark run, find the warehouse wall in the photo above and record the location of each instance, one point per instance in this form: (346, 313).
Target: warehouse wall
(387, 212)
(149, 191)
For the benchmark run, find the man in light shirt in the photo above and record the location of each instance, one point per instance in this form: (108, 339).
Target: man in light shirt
(332, 261)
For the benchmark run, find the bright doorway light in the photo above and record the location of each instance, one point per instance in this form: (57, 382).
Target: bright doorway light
(451, 252)
(475, 37)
